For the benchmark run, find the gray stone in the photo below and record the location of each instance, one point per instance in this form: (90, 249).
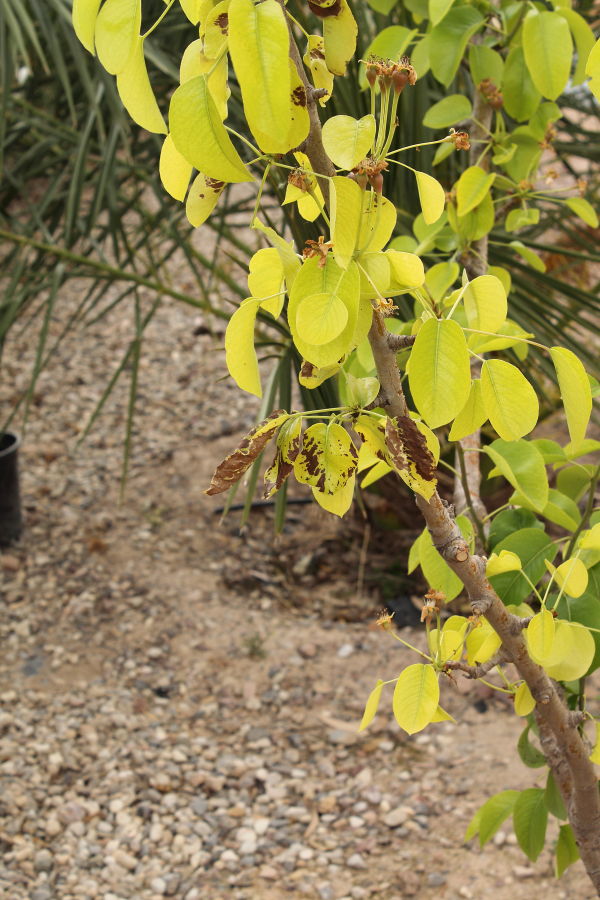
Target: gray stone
(43, 861)
(356, 861)
(436, 879)
(398, 816)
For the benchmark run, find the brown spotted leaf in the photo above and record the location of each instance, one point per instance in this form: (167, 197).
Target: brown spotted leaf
(288, 447)
(406, 444)
(233, 466)
(327, 459)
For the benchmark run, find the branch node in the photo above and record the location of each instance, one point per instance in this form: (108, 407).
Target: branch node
(576, 717)
(316, 93)
(380, 400)
(397, 342)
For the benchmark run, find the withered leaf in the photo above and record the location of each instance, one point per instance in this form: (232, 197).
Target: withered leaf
(233, 466)
(288, 447)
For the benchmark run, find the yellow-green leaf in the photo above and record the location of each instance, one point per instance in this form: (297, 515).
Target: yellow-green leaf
(374, 275)
(347, 141)
(575, 391)
(573, 651)
(191, 9)
(195, 62)
(320, 318)
(371, 706)
(584, 41)
(416, 697)
(584, 210)
(345, 284)
(510, 401)
(472, 415)
(571, 576)
(431, 197)
(199, 134)
(482, 643)
(240, 354)
(327, 458)
(84, 17)
(136, 93)
(448, 111)
(259, 48)
(548, 49)
(202, 198)
(567, 851)
(440, 278)
(117, 30)
(485, 303)
(406, 270)
(439, 371)
(471, 188)
(291, 263)
(505, 561)
(592, 68)
(346, 216)
(595, 754)
(175, 171)
(377, 222)
(440, 715)
(540, 636)
(339, 38)
(266, 280)
(524, 702)
(591, 538)
(522, 464)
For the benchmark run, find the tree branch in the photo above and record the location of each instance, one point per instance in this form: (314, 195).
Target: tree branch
(553, 716)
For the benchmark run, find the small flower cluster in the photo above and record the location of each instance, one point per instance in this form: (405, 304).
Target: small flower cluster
(390, 74)
(318, 248)
(370, 171)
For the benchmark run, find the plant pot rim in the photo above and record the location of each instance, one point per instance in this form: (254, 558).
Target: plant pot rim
(14, 444)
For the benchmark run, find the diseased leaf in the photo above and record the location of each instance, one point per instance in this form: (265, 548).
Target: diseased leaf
(340, 501)
(327, 459)
(288, 447)
(202, 198)
(233, 466)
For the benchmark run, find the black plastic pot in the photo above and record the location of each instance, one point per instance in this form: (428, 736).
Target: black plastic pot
(11, 523)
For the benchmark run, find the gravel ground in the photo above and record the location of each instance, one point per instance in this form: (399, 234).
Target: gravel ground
(179, 701)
